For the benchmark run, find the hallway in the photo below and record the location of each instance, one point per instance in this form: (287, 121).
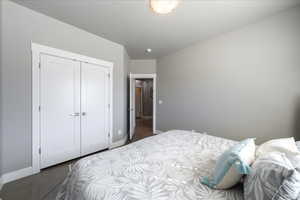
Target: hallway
(143, 129)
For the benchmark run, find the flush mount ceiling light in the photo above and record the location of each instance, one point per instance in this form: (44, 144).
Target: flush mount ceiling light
(163, 6)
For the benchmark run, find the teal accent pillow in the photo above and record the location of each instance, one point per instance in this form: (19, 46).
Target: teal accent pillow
(231, 165)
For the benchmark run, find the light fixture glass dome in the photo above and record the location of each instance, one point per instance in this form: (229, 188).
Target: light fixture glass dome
(163, 6)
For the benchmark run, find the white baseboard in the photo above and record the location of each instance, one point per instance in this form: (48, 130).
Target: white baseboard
(118, 143)
(156, 132)
(15, 175)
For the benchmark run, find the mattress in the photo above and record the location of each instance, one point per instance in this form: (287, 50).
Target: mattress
(163, 167)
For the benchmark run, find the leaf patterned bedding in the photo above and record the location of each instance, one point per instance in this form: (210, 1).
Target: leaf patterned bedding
(163, 167)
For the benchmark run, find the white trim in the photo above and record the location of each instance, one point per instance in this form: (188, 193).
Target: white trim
(137, 76)
(37, 50)
(15, 175)
(111, 131)
(157, 132)
(132, 77)
(118, 143)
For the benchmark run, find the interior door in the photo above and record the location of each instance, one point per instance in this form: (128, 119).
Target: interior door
(95, 108)
(60, 110)
(132, 107)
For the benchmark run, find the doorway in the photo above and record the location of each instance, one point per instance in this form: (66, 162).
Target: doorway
(142, 109)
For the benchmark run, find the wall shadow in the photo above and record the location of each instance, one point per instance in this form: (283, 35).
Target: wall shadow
(296, 131)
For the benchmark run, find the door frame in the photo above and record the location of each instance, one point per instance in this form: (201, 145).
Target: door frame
(132, 78)
(37, 50)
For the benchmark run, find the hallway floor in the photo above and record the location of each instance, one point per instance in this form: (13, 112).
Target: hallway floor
(143, 129)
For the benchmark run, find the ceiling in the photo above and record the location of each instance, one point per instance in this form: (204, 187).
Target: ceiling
(133, 24)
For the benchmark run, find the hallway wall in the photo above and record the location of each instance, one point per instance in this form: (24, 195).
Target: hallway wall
(147, 98)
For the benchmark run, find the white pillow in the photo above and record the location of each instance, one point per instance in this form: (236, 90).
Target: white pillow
(284, 145)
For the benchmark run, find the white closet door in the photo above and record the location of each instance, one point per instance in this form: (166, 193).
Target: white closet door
(60, 110)
(95, 108)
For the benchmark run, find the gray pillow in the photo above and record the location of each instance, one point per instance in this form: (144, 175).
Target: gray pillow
(272, 177)
(298, 145)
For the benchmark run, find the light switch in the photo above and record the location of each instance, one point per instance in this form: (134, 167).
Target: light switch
(160, 102)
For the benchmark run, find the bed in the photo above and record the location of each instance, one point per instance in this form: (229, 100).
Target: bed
(163, 167)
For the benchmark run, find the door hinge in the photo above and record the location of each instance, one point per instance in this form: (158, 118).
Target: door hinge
(108, 106)
(39, 108)
(108, 75)
(39, 65)
(108, 134)
(40, 150)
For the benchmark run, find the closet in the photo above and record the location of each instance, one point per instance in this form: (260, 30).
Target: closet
(74, 108)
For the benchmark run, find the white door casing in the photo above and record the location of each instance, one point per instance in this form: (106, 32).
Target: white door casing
(37, 53)
(95, 108)
(60, 110)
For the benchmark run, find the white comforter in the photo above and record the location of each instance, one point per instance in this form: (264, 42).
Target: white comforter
(168, 166)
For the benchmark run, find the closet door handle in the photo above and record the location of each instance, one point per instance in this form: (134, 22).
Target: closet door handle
(83, 113)
(75, 114)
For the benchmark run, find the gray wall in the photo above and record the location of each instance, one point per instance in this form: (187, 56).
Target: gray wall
(143, 66)
(241, 84)
(21, 26)
(1, 60)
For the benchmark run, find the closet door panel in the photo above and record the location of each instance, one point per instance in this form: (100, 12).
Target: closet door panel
(60, 110)
(94, 107)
